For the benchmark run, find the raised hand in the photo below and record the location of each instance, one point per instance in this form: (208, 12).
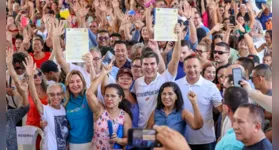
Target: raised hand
(107, 68)
(192, 97)
(88, 58)
(218, 27)
(58, 28)
(22, 87)
(115, 3)
(103, 6)
(153, 44)
(26, 37)
(9, 36)
(187, 9)
(30, 66)
(239, 26)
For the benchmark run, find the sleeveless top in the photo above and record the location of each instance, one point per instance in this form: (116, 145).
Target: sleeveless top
(173, 120)
(101, 138)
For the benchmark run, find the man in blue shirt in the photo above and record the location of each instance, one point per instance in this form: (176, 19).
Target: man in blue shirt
(233, 97)
(264, 15)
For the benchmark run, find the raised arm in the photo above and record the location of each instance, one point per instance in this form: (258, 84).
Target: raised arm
(58, 30)
(261, 99)
(88, 58)
(251, 16)
(93, 102)
(154, 46)
(249, 41)
(196, 121)
(173, 64)
(30, 68)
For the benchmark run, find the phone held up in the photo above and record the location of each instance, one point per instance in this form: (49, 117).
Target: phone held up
(142, 138)
(237, 76)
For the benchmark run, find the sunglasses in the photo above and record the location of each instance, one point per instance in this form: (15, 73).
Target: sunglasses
(37, 75)
(101, 38)
(219, 52)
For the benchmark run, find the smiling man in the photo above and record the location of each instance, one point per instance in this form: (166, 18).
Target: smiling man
(147, 87)
(208, 97)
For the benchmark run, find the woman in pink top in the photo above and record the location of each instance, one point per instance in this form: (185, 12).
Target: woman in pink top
(114, 95)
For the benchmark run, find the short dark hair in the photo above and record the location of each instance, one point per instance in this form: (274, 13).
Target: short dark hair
(198, 13)
(178, 103)
(247, 64)
(191, 56)
(234, 97)
(224, 44)
(19, 57)
(185, 43)
(263, 70)
(131, 42)
(256, 112)
(270, 33)
(19, 37)
(119, 42)
(115, 34)
(50, 11)
(102, 31)
(148, 53)
(255, 58)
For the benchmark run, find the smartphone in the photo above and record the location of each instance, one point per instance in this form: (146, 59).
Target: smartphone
(107, 58)
(232, 20)
(142, 138)
(237, 76)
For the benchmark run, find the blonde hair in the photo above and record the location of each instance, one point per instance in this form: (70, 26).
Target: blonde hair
(67, 82)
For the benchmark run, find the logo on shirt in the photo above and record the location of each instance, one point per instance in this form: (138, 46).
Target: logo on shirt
(148, 93)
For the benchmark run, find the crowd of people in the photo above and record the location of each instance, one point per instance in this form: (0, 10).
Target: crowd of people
(184, 89)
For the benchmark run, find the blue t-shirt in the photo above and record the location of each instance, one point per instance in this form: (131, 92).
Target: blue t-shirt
(180, 71)
(229, 142)
(173, 120)
(80, 118)
(263, 19)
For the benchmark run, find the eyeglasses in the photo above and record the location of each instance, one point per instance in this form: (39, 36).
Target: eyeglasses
(219, 52)
(122, 78)
(57, 94)
(96, 58)
(136, 67)
(103, 38)
(37, 75)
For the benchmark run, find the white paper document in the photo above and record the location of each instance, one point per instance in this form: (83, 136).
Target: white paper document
(165, 21)
(77, 44)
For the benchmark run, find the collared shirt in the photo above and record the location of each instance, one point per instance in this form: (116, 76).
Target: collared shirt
(208, 96)
(147, 95)
(229, 142)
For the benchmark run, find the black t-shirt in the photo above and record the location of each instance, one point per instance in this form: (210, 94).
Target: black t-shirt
(264, 144)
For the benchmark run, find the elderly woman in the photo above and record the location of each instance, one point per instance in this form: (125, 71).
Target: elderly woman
(54, 113)
(108, 112)
(170, 110)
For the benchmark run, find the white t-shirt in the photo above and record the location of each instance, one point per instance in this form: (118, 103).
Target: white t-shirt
(56, 131)
(208, 96)
(87, 78)
(147, 95)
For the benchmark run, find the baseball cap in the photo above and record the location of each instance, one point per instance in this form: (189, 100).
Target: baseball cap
(49, 66)
(124, 71)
